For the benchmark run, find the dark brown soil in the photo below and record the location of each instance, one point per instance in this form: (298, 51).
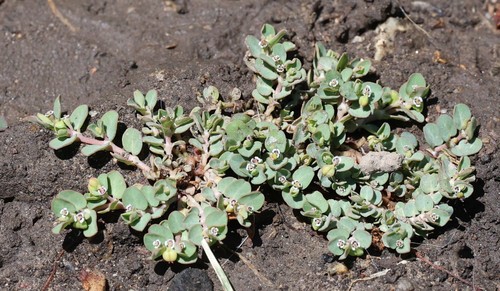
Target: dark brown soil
(99, 52)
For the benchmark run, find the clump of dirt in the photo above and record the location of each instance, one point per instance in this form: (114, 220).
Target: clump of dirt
(99, 52)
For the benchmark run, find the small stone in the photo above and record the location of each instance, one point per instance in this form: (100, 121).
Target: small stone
(191, 279)
(404, 284)
(380, 161)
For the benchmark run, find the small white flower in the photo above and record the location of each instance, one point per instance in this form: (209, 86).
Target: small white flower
(280, 68)
(79, 217)
(354, 244)
(275, 154)
(276, 58)
(367, 90)
(64, 212)
(456, 189)
(296, 184)
(49, 113)
(282, 179)
(333, 83)
(434, 217)
(417, 101)
(170, 243)
(214, 231)
(341, 243)
(250, 167)
(336, 160)
(317, 221)
(157, 244)
(400, 243)
(256, 160)
(250, 208)
(102, 190)
(263, 43)
(129, 208)
(233, 202)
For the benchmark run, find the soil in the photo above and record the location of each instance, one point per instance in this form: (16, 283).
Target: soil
(99, 52)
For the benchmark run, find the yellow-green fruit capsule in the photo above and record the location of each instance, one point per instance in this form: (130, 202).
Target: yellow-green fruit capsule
(328, 171)
(169, 255)
(93, 184)
(363, 100)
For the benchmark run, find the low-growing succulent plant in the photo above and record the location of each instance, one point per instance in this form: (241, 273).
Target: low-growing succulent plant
(321, 139)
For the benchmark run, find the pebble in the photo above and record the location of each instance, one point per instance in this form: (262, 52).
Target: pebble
(404, 284)
(191, 279)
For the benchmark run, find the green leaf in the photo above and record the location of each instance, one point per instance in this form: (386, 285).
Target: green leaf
(139, 98)
(57, 107)
(69, 199)
(363, 237)
(141, 223)
(89, 150)
(132, 141)
(279, 50)
(432, 135)
(110, 123)
(415, 81)
(134, 197)
(429, 183)
(156, 232)
(446, 127)
(296, 202)
(461, 116)
(3, 123)
(59, 143)
(406, 142)
(253, 46)
(253, 199)
(317, 200)
(276, 140)
(268, 30)
(465, 148)
(78, 116)
(176, 221)
(424, 203)
(216, 218)
(196, 234)
(92, 225)
(333, 237)
(116, 185)
(234, 188)
(304, 175)
(265, 71)
(151, 99)
(343, 62)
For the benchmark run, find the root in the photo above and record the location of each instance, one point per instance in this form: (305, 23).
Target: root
(61, 17)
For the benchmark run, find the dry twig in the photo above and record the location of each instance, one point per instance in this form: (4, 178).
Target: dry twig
(59, 15)
(53, 272)
(434, 266)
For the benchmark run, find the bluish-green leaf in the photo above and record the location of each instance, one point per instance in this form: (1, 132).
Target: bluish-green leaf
(78, 116)
(58, 143)
(461, 115)
(132, 141)
(110, 123)
(134, 197)
(89, 150)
